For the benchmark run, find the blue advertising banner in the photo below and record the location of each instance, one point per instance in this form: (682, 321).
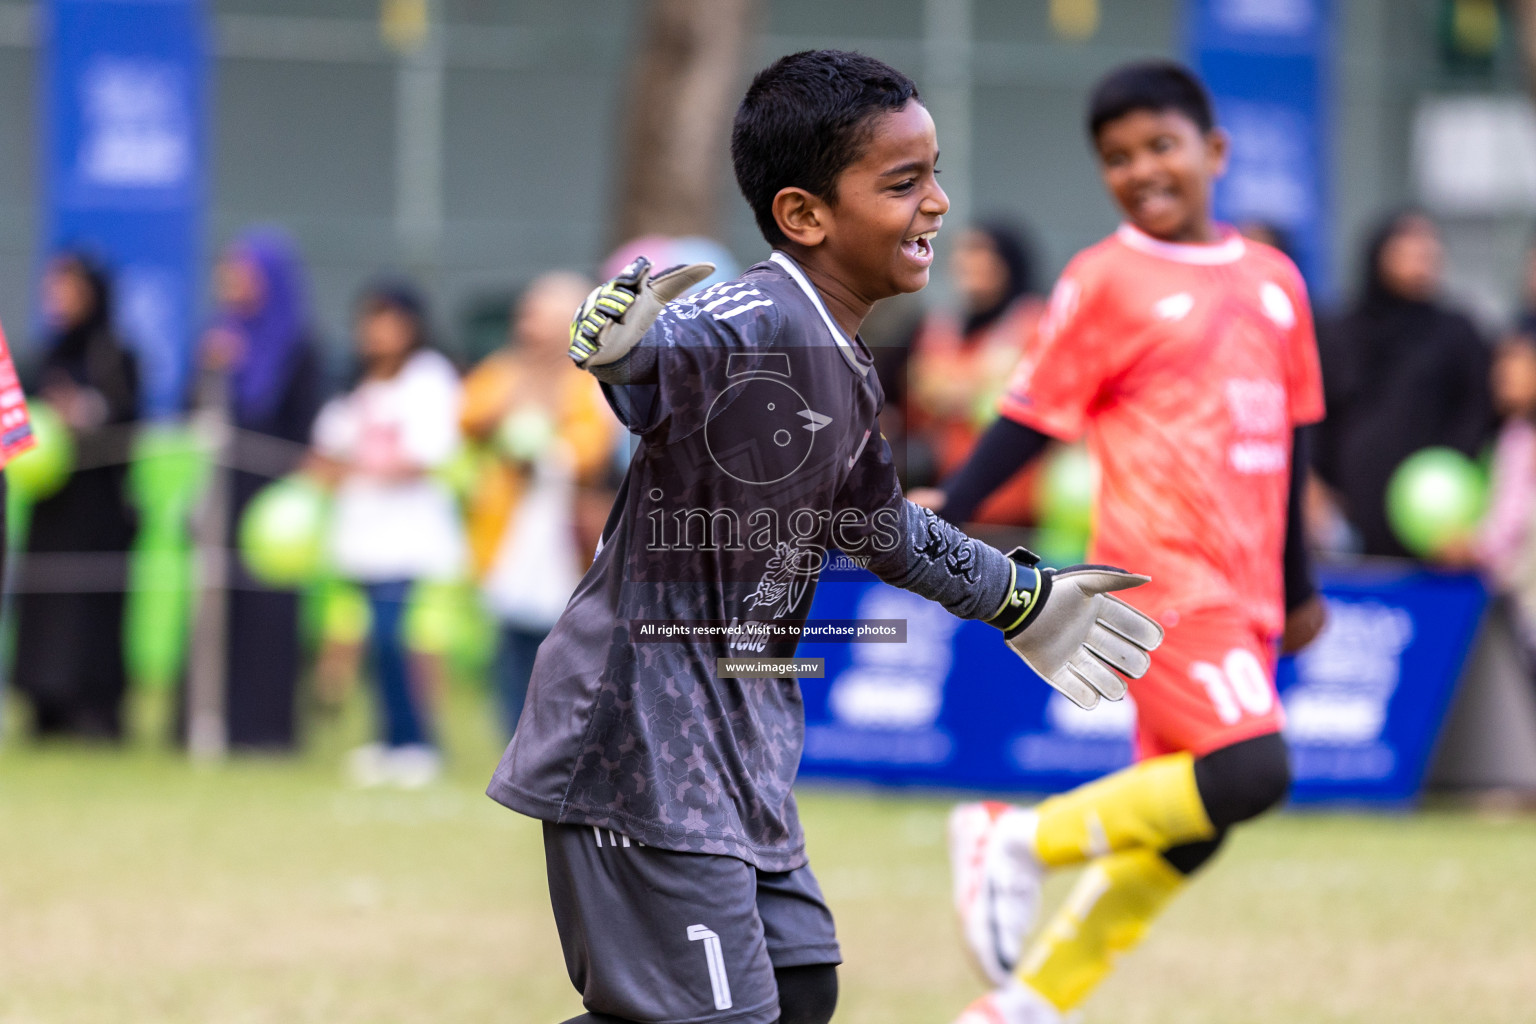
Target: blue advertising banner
(1266, 65)
(953, 707)
(123, 92)
(1364, 703)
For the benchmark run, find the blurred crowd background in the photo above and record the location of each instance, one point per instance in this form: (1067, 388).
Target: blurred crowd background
(366, 465)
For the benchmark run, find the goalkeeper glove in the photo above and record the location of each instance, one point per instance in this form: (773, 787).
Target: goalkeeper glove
(1067, 627)
(617, 314)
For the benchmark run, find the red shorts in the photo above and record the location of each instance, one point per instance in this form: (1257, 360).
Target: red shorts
(1212, 684)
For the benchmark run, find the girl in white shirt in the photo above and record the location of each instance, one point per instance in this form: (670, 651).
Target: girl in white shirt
(394, 523)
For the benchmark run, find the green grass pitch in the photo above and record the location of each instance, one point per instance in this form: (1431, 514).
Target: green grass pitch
(135, 887)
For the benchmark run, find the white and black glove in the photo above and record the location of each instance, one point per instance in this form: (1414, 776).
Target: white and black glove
(1066, 626)
(617, 314)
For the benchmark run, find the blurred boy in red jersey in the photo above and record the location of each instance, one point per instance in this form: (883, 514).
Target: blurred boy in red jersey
(1187, 356)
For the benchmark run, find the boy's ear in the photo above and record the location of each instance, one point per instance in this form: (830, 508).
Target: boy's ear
(1218, 147)
(801, 215)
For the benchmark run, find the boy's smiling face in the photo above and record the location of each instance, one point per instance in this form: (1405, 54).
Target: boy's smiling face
(876, 239)
(1159, 167)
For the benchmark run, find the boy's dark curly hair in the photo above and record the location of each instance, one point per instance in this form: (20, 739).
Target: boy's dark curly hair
(1156, 85)
(804, 119)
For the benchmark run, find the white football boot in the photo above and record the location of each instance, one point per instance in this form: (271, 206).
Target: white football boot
(997, 881)
(1014, 1003)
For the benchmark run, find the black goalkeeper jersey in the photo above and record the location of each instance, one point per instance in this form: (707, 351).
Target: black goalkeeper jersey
(759, 453)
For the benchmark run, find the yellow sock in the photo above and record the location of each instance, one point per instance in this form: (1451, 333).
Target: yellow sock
(1154, 804)
(1107, 913)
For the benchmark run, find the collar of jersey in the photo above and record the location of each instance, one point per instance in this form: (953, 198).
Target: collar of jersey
(847, 348)
(1229, 250)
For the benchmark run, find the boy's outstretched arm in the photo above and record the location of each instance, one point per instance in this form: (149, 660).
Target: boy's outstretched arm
(1305, 613)
(624, 331)
(1005, 448)
(1064, 623)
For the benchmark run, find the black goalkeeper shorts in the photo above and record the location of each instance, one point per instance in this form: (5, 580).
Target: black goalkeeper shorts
(679, 938)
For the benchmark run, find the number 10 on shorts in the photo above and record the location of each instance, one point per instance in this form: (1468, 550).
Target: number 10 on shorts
(716, 960)
(1239, 684)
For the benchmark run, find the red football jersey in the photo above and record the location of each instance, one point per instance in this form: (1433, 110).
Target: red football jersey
(1188, 366)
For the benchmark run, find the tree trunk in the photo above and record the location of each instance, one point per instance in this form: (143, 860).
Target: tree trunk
(1525, 29)
(683, 91)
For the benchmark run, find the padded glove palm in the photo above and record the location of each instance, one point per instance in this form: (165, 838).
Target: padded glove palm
(1067, 626)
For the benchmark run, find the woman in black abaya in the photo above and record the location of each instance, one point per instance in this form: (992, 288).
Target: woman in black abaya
(69, 642)
(1401, 372)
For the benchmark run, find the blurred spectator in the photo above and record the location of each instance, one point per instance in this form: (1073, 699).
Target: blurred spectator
(69, 646)
(261, 364)
(1506, 542)
(1525, 320)
(958, 370)
(394, 523)
(550, 437)
(1401, 372)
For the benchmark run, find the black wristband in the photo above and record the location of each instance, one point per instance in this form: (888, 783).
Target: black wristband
(1031, 586)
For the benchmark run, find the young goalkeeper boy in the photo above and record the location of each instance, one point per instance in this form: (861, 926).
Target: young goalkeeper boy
(676, 863)
(1186, 354)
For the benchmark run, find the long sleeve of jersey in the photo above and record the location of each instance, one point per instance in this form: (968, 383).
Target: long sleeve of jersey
(637, 367)
(1003, 450)
(665, 387)
(914, 549)
(939, 562)
(1299, 587)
